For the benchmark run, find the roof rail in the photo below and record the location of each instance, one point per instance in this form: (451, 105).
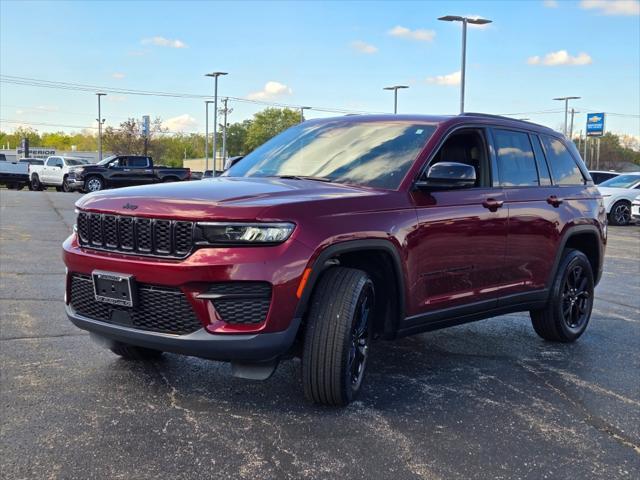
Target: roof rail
(502, 117)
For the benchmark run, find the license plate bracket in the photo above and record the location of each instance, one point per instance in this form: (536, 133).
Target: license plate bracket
(114, 288)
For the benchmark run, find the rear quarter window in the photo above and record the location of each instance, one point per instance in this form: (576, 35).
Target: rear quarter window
(564, 169)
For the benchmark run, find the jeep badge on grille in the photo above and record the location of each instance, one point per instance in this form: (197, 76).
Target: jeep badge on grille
(129, 206)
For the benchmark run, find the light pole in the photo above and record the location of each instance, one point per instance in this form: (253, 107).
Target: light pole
(100, 122)
(302, 109)
(225, 111)
(566, 109)
(206, 134)
(465, 21)
(215, 75)
(395, 89)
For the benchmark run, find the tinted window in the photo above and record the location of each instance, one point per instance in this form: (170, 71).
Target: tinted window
(73, 161)
(622, 181)
(516, 163)
(137, 162)
(375, 154)
(543, 168)
(564, 168)
(54, 162)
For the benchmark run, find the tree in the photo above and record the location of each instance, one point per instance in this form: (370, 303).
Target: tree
(616, 153)
(237, 138)
(128, 139)
(268, 123)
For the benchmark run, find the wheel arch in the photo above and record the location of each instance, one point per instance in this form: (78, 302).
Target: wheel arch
(381, 260)
(588, 240)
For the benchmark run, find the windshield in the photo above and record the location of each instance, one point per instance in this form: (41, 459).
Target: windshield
(622, 181)
(104, 161)
(373, 154)
(73, 161)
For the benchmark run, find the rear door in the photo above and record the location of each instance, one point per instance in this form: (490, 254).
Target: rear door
(534, 213)
(139, 171)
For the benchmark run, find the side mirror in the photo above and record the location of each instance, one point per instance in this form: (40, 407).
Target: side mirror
(446, 175)
(60, 167)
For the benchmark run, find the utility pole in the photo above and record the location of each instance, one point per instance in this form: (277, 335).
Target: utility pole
(215, 76)
(584, 148)
(598, 156)
(573, 112)
(302, 109)
(465, 21)
(566, 110)
(206, 134)
(225, 111)
(100, 122)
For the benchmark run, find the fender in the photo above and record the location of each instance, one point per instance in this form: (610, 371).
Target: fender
(572, 231)
(321, 264)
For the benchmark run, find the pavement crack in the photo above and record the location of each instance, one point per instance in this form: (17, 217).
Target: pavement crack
(189, 415)
(592, 420)
(34, 337)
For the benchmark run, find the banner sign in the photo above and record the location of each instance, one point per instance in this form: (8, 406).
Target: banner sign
(35, 152)
(595, 124)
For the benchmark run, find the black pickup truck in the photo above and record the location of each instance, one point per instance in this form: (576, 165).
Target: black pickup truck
(123, 171)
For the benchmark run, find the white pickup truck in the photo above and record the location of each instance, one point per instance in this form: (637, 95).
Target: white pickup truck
(13, 174)
(53, 173)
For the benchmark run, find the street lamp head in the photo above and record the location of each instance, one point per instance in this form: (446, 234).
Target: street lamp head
(215, 74)
(567, 98)
(395, 87)
(209, 101)
(100, 94)
(472, 20)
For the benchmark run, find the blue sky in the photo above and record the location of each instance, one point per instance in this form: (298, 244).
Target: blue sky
(328, 54)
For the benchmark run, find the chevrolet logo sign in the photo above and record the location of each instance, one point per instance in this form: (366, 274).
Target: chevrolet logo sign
(595, 119)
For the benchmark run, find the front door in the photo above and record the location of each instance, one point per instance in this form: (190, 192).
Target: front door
(459, 245)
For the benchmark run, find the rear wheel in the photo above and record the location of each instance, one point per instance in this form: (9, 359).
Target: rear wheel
(65, 185)
(131, 352)
(35, 183)
(338, 336)
(620, 213)
(567, 314)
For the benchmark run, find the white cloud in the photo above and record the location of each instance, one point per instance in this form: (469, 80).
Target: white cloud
(451, 79)
(419, 34)
(561, 57)
(612, 7)
(180, 123)
(47, 108)
(271, 90)
(19, 111)
(164, 42)
(550, 3)
(364, 47)
(475, 25)
(118, 75)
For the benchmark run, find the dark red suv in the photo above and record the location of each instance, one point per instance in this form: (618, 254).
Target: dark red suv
(339, 231)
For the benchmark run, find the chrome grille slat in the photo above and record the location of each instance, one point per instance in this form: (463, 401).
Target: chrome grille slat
(135, 235)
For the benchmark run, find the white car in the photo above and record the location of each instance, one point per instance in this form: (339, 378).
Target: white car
(635, 209)
(618, 194)
(53, 173)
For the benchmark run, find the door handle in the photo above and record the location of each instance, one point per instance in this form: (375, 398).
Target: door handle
(492, 204)
(555, 201)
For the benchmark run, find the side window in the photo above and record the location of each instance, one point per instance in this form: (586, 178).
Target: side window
(543, 168)
(467, 146)
(51, 161)
(564, 169)
(138, 162)
(516, 163)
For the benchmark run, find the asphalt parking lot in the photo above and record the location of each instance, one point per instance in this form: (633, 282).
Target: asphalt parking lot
(485, 400)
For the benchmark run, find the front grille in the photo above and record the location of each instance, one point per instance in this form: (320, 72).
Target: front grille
(241, 303)
(158, 309)
(144, 236)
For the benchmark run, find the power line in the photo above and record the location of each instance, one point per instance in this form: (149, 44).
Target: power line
(83, 127)
(34, 82)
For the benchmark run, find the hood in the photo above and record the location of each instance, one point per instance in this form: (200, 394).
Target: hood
(217, 198)
(610, 191)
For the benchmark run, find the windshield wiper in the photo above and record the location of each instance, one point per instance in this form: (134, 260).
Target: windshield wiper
(304, 177)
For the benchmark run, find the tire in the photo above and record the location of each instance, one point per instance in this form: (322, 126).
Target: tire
(93, 184)
(20, 186)
(35, 183)
(620, 213)
(170, 180)
(338, 333)
(567, 313)
(58, 189)
(130, 352)
(65, 185)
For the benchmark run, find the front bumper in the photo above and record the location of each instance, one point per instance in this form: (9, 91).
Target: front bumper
(635, 210)
(75, 183)
(258, 347)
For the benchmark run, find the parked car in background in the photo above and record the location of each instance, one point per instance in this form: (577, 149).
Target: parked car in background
(211, 173)
(618, 193)
(339, 231)
(53, 173)
(124, 171)
(196, 175)
(635, 209)
(599, 176)
(14, 175)
(231, 161)
(32, 161)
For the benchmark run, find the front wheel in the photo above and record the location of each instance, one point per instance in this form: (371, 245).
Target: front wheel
(338, 335)
(35, 183)
(94, 184)
(65, 185)
(620, 213)
(567, 313)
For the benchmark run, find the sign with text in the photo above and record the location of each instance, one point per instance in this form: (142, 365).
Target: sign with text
(595, 124)
(36, 152)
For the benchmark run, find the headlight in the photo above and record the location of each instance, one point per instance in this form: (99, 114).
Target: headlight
(226, 233)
